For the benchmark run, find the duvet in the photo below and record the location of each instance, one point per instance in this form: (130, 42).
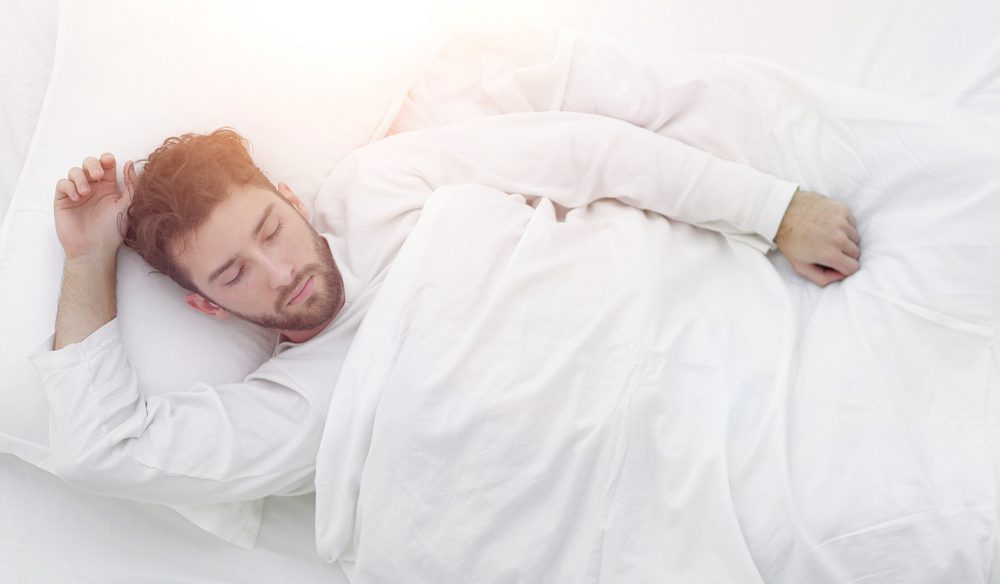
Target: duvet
(612, 396)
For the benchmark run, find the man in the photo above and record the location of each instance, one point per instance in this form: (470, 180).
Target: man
(204, 214)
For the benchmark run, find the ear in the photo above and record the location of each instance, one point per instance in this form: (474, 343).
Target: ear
(202, 304)
(293, 199)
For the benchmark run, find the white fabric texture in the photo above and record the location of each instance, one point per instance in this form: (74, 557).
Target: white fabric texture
(263, 434)
(821, 435)
(190, 66)
(375, 194)
(463, 265)
(64, 534)
(926, 48)
(27, 41)
(908, 47)
(202, 444)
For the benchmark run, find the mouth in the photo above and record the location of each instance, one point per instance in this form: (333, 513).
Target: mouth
(302, 293)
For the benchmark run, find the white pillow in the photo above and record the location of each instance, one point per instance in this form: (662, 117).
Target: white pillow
(304, 82)
(27, 43)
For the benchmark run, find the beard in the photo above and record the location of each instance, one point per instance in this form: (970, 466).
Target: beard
(325, 302)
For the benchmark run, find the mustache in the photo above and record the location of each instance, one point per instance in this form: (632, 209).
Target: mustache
(315, 268)
(290, 290)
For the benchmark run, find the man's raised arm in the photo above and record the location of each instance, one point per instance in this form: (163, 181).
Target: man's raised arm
(201, 445)
(89, 208)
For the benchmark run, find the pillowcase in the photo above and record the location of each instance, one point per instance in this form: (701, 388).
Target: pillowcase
(27, 42)
(304, 82)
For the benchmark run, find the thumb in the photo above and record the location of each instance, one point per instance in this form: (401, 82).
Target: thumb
(125, 201)
(129, 179)
(819, 275)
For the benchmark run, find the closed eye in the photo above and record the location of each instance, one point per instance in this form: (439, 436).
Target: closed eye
(239, 276)
(277, 230)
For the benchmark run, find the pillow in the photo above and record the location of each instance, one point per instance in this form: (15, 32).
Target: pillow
(305, 82)
(27, 42)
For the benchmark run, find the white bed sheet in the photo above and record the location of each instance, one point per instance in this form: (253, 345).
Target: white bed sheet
(51, 533)
(948, 50)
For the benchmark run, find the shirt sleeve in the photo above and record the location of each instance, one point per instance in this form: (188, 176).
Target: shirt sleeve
(571, 158)
(203, 445)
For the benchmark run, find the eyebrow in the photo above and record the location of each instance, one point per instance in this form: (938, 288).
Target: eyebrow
(256, 231)
(263, 218)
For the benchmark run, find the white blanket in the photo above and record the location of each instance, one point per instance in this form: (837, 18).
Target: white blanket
(552, 397)
(620, 398)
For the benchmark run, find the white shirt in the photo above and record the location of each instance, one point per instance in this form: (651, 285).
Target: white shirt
(260, 437)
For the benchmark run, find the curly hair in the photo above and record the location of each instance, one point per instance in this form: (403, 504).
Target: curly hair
(179, 186)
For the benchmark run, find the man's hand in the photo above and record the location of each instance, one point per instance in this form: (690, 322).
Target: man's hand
(819, 238)
(90, 208)
(90, 221)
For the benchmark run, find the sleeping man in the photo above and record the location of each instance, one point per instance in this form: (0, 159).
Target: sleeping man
(201, 212)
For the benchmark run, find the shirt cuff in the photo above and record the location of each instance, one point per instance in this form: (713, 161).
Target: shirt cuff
(44, 359)
(774, 208)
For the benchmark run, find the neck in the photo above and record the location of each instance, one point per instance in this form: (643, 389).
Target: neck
(303, 336)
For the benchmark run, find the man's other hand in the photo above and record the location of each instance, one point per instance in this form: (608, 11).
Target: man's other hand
(90, 208)
(819, 237)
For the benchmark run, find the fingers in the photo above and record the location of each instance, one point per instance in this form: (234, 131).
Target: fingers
(108, 163)
(77, 183)
(129, 179)
(852, 231)
(819, 235)
(65, 189)
(850, 249)
(96, 170)
(92, 169)
(844, 264)
(818, 274)
(79, 180)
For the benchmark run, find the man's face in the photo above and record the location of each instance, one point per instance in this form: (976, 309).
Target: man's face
(257, 257)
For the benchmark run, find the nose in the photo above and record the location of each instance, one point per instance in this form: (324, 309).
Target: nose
(279, 273)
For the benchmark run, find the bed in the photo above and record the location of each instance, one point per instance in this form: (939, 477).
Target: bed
(891, 477)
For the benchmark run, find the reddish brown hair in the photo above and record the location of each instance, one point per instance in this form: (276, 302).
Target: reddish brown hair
(182, 182)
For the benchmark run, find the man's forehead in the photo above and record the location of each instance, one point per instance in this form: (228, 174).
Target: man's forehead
(228, 226)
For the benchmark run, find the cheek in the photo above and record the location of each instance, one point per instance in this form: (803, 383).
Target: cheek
(253, 292)
(250, 293)
(301, 250)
